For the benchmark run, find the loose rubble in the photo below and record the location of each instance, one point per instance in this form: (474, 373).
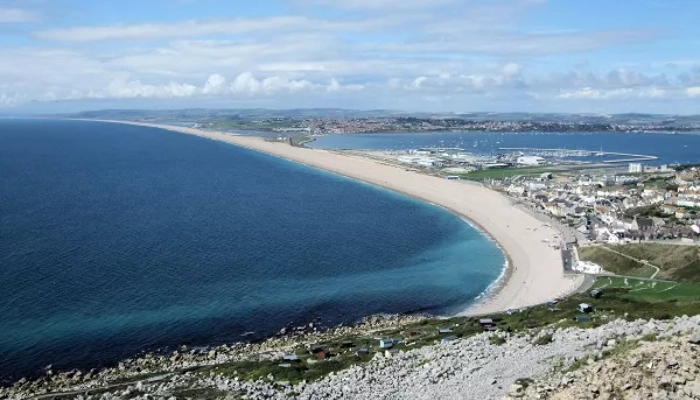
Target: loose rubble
(656, 369)
(664, 365)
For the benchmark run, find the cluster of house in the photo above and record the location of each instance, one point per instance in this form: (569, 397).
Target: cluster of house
(617, 208)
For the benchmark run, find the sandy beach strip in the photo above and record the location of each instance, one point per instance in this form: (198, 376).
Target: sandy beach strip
(535, 274)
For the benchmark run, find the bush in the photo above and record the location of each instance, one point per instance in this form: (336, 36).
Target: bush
(543, 340)
(497, 340)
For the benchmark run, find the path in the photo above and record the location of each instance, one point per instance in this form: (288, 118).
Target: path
(643, 262)
(153, 379)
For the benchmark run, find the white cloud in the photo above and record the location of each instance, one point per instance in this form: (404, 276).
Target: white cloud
(200, 28)
(17, 15)
(499, 42)
(615, 94)
(391, 51)
(126, 87)
(693, 91)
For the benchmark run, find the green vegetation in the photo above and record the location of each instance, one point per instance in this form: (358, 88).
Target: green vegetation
(501, 173)
(676, 262)
(300, 141)
(624, 347)
(543, 340)
(645, 212)
(524, 382)
(615, 263)
(497, 340)
(652, 292)
(202, 394)
(656, 183)
(260, 125)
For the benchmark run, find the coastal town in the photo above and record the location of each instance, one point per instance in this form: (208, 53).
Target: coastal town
(611, 203)
(662, 204)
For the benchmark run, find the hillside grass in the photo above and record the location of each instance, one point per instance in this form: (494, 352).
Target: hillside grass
(676, 262)
(615, 263)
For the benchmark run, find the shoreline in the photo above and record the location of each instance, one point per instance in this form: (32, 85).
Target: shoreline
(534, 273)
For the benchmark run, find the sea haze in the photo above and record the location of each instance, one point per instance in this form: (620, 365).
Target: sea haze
(116, 239)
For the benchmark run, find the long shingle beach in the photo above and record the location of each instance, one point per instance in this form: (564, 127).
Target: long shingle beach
(534, 275)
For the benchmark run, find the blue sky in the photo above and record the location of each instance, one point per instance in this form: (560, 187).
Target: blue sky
(589, 56)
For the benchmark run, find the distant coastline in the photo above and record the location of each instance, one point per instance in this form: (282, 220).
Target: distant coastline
(534, 274)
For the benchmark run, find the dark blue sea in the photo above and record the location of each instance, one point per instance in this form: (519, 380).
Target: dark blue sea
(681, 148)
(116, 239)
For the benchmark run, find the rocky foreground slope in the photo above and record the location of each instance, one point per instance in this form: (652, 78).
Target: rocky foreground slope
(621, 360)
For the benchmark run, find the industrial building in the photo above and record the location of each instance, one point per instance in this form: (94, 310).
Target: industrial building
(636, 168)
(530, 160)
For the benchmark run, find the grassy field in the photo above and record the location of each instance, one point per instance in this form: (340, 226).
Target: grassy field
(676, 262)
(651, 291)
(504, 173)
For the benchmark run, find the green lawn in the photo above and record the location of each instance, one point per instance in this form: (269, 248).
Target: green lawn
(650, 291)
(504, 173)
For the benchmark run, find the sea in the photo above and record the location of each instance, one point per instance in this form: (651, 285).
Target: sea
(668, 148)
(119, 239)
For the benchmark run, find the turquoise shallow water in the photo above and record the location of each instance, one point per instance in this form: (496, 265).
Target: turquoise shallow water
(116, 239)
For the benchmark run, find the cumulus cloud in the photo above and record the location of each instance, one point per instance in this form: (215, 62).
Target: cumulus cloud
(246, 84)
(391, 51)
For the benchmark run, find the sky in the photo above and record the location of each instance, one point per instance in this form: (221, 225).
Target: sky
(581, 56)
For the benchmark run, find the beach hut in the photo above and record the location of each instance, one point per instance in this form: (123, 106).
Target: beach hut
(582, 318)
(386, 343)
(486, 322)
(313, 349)
(448, 339)
(585, 308)
(362, 351)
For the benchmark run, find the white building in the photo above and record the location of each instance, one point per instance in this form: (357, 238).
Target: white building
(530, 160)
(588, 267)
(636, 168)
(420, 160)
(532, 186)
